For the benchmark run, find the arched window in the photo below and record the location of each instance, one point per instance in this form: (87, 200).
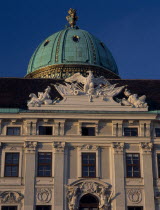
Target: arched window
(88, 202)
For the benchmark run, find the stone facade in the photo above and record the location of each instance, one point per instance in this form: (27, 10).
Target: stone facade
(66, 144)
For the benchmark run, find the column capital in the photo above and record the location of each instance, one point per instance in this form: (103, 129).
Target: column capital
(30, 146)
(59, 146)
(146, 147)
(118, 147)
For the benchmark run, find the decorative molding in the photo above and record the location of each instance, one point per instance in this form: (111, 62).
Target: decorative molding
(146, 147)
(75, 193)
(89, 147)
(118, 147)
(44, 195)
(59, 146)
(30, 146)
(134, 195)
(11, 197)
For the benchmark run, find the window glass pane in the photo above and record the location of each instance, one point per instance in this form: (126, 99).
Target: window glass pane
(88, 131)
(45, 130)
(88, 165)
(13, 131)
(132, 165)
(9, 207)
(130, 131)
(11, 164)
(44, 164)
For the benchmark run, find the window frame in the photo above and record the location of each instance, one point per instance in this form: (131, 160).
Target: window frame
(45, 134)
(139, 166)
(130, 127)
(38, 165)
(14, 126)
(12, 164)
(88, 165)
(81, 150)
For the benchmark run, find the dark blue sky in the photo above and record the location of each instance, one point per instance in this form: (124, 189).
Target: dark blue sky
(130, 29)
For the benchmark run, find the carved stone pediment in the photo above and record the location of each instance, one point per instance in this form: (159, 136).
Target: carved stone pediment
(11, 197)
(101, 190)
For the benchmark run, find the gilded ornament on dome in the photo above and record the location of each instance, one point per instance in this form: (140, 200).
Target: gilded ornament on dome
(72, 17)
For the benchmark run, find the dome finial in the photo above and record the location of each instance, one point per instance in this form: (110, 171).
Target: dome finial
(72, 17)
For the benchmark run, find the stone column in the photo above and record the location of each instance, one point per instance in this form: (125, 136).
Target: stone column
(118, 174)
(59, 175)
(114, 128)
(146, 150)
(29, 192)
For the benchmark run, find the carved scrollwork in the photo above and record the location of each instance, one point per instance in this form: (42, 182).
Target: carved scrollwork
(135, 195)
(11, 197)
(44, 195)
(89, 147)
(74, 193)
(59, 146)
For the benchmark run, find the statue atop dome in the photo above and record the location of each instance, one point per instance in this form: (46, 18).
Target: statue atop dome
(72, 17)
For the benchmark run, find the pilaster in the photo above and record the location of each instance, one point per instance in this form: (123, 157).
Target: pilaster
(30, 150)
(146, 151)
(118, 172)
(59, 167)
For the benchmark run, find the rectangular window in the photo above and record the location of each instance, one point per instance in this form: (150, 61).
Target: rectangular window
(157, 132)
(88, 165)
(135, 208)
(9, 207)
(132, 165)
(45, 130)
(88, 131)
(44, 164)
(43, 207)
(13, 131)
(130, 131)
(11, 164)
(158, 162)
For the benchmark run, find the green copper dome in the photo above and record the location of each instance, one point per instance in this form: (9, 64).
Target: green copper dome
(71, 50)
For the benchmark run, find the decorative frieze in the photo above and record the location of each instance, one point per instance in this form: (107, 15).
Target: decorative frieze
(134, 195)
(89, 147)
(30, 146)
(59, 146)
(11, 197)
(44, 195)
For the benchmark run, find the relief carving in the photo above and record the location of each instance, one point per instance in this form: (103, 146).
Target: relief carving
(30, 146)
(44, 195)
(146, 147)
(59, 146)
(118, 147)
(89, 147)
(11, 197)
(74, 194)
(135, 195)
